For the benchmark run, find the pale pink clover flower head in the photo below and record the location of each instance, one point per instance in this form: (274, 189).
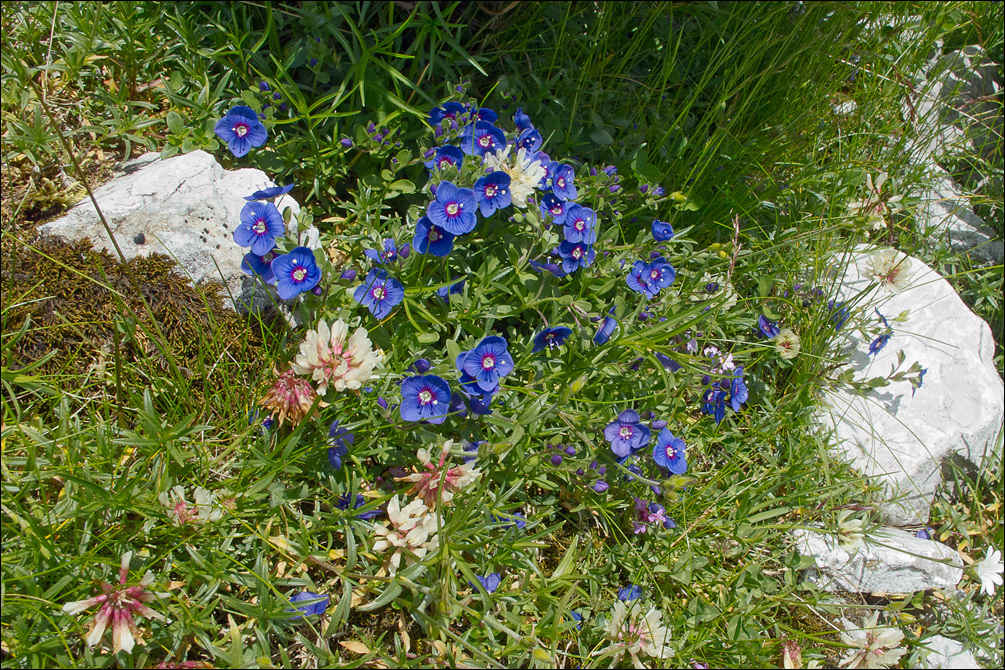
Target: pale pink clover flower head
(118, 605)
(890, 268)
(634, 634)
(431, 483)
(181, 512)
(409, 531)
(872, 647)
(332, 358)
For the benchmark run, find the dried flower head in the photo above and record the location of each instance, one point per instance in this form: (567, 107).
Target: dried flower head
(632, 633)
(290, 396)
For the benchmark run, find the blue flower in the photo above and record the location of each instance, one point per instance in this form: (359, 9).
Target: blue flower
(450, 110)
(420, 366)
(767, 327)
(630, 592)
(430, 238)
(484, 114)
(606, 329)
(626, 434)
(487, 363)
(662, 231)
(339, 439)
(425, 398)
(343, 504)
(841, 313)
(579, 224)
(390, 253)
(877, 345)
(658, 513)
(926, 533)
(521, 120)
(650, 278)
(482, 138)
(253, 264)
(552, 205)
(577, 617)
(513, 520)
(446, 291)
(576, 255)
(562, 182)
(713, 402)
(492, 192)
(737, 389)
(379, 293)
(261, 224)
(921, 376)
(445, 157)
(668, 363)
(529, 139)
(553, 268)
(296, 272)
(454, 209)
(241, 130)
(551, 338)
(669, 452)
(269, 193)
(491, 581)
(317, 604)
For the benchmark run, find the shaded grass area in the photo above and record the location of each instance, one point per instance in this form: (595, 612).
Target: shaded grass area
(729, 104)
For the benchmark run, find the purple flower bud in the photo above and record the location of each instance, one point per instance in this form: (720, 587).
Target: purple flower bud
(265, 105)
(422, 365)
(602, 470)
(432, 190)
(659, 424)
(404, 251)
(438, 132)
(593, 465)
(346, 142)
(643, 316)
(580, 472)
(318, 40)
(593, 172)
(610, 170)
(614, 189)
(314, 61)
(394, 161)
(317, 290)
(382, 402)
(556, 460)
(282, 107)
(277, 96)
(459, 88)
(348, 275)
(654, 254)
(643, 188)
(705, 380)
(570, 451)
(429, 153)
(263, 86)
(370, 128)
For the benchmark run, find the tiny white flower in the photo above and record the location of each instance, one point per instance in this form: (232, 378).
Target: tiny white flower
(989, 571)
(181, 512)
(851, 530)
(409, 532)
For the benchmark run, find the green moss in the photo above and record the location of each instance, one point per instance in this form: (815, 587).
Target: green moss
(74, 294)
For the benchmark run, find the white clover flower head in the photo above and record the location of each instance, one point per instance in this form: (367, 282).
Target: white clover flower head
(118, 605)
(872, 647)
(875, 207)
(331, 360)
(890, 268)
(181, 512)
(787, 344)
(989, 571)
(851, 530)
(634, 634)
(525, 172)
(408, 532)
(436, 481)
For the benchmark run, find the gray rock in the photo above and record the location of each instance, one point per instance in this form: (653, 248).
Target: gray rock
(946, 653)
(944, 210)
(186, 207)
(898, 437)
(889, 560)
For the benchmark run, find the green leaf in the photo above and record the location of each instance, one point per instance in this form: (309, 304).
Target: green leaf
(601, 137)
(427, 338)
(403, 186)
(175, 123)
(389, 594)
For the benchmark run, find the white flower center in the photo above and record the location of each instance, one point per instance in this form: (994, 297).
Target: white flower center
(577, 253)
(490, 191)
(488, 362)
(259, 226)
(379, 293)
(240, 129)
(625, 432)
(485, 141)
(425, 396)
(453, 208)
(299, 274)
(434, 235)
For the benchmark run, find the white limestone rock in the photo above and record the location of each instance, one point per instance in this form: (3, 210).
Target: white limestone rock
(900, 438)
(186, 207)
(944, 210)
(944, 652)
(890, 561)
